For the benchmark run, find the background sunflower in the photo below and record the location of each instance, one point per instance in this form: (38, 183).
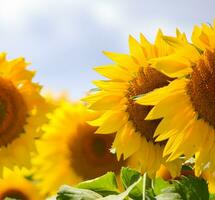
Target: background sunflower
(22, 111)
(74, 152)
(13, 185)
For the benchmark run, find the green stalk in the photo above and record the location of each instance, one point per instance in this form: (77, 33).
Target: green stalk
(147, 184)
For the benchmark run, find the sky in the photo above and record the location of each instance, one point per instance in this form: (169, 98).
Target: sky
(64, 39)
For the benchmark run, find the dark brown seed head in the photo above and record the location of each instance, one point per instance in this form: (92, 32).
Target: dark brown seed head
(201, 87)
(146, 80)
(13, 112)
(90, 153)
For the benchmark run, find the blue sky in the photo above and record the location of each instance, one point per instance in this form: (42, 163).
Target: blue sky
(63, 39)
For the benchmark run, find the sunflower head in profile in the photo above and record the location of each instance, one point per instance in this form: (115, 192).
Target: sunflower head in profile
(128, 77)
(70, 152)
(14, 185)
(22, 111)
(187, 104)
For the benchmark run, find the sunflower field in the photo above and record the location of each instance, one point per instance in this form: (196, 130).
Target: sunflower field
(145, 132)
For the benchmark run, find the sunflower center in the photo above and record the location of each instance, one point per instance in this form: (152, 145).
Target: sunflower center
(90, 153)
(98, 146)
(201, 87)
(146, 80)
(12, 112)
(14, 194)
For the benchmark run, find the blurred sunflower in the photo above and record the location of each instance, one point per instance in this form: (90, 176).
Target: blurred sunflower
(70, 152)
(129, 77)
(22, 111)
(187, 104)
(13, 185)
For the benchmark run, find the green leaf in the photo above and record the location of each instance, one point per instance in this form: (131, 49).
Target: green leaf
(212, 196)
(136, 192)
(190, 187)
(124, 194)
(187, 188)
(150, 195)
(169, 196)
(128, 177)
(159, 185)
(104, 185)
(71, 193)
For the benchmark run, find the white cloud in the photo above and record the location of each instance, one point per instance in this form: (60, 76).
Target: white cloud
(63, 38)
(107, 13)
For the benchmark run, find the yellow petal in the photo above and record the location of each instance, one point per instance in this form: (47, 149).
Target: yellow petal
(148, 48)
(111, 86)
(123, 60)
(177, 148)
(154, 97)
(111, 122)
(114, 72)
(169, 144)
(181, 36)
(174, 42)
(106, 103)
(174, 124)
(145, 43)
(127, 141)
(174, 167)
(161, 46)
(172, 66)
(133, 143)
(91, 98)
(160, 110)
(137, 51)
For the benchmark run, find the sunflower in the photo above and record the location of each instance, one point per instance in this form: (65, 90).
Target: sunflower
(129, 77)
(13, 185)
(70, 152)
(22, 111)
(187, 104)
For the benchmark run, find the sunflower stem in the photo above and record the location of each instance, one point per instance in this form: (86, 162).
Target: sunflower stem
(147, 184)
